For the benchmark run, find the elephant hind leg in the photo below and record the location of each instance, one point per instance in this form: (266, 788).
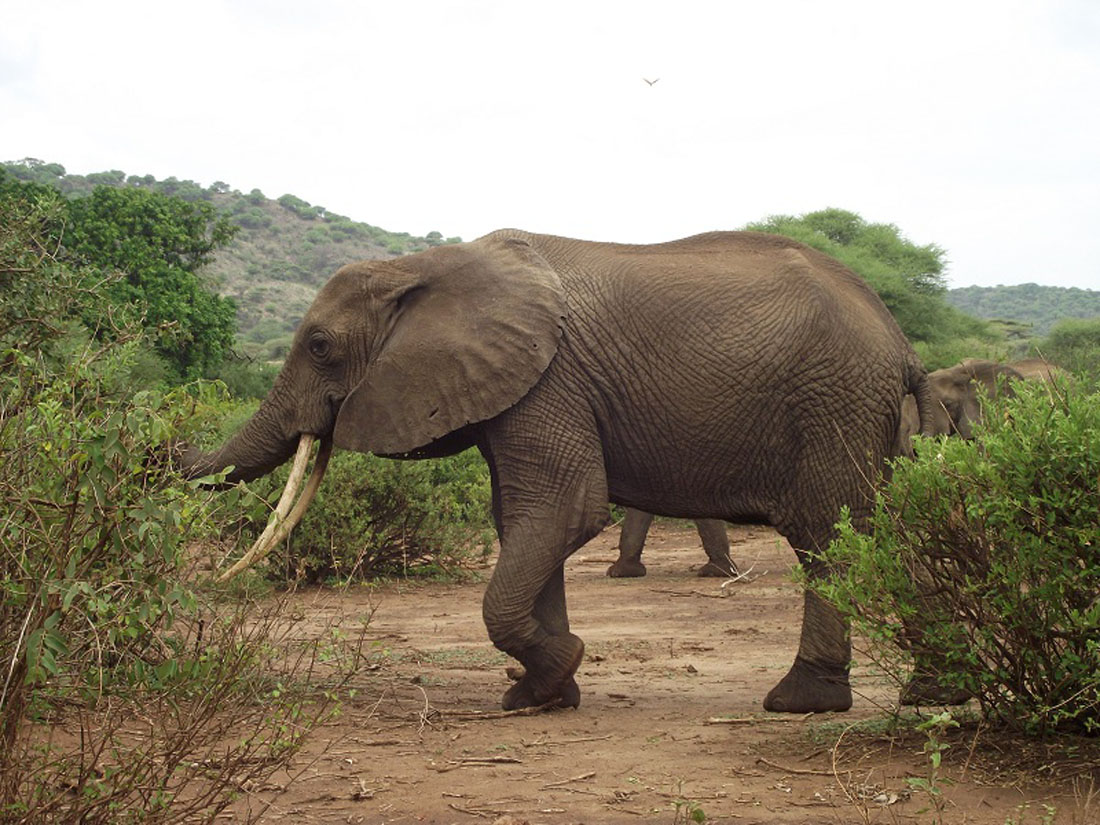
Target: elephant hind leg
(716, 544)
(818, 679)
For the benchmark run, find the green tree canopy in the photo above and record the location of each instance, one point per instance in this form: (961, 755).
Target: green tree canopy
(36, 294)
(160, 243)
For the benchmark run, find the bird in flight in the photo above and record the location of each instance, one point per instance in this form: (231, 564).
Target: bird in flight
(650, 82)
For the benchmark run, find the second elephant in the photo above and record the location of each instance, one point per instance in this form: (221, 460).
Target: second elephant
(956, 394)
(632, 537)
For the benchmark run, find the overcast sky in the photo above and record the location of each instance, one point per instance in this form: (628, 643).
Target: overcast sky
(972, 125)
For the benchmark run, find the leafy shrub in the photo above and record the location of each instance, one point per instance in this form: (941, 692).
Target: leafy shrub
(119, 685)
(253, 218)
(1074, 344)
(377, 517)
(244, 377)
(948, 352)
(988, 552)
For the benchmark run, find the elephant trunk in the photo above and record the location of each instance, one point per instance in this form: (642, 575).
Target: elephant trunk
(284, 519)
(255, 450)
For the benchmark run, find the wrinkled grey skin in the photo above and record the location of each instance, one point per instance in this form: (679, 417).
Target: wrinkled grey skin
(956, 395)
(712, 533)
(753, 377)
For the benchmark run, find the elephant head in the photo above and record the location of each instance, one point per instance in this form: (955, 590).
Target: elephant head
(397, 359)
(956, 393)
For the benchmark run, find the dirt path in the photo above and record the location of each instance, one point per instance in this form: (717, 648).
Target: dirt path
(666, 655)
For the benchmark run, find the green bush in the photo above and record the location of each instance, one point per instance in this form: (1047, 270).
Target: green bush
(253, 218)
(100, 629)
(988, 553)
(104, 632)
(1074, 344)
(245, 378)
(377, 517)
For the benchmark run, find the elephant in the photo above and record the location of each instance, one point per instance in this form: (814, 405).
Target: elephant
(730, 375)
(1039, 369)
(956, 395)
(632, 537)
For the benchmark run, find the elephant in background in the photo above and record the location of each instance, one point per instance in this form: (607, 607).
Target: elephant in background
(719, 367)
(712, 532)
(1039, 369)
(956, 394)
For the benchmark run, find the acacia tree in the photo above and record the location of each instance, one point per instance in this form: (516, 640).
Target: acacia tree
(160, 244)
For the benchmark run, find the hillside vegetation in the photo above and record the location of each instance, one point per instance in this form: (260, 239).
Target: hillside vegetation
(284, 249)
(1041, 307)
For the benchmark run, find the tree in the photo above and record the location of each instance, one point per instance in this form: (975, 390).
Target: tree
(160, 243)
(36, 294)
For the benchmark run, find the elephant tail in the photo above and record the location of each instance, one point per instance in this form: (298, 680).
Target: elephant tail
(918, 386)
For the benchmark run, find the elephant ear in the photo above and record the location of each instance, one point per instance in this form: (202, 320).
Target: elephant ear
(471, 329)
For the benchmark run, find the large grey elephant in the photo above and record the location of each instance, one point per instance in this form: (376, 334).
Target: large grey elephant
(632, 535)
(729, 375)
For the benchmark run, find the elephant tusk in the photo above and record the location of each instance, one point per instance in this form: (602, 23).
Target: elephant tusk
(284, 519)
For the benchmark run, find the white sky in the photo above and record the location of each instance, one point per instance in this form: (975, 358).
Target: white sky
(972, 125)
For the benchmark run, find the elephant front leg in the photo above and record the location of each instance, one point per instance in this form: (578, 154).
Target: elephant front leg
(534, 630)
(550, 664)
(818, 679)
(549, 498)
(524, 606)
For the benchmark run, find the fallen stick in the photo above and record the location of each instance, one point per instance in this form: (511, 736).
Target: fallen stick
(725, 594)
(748, 720)
(806, 771)
(471, 715)
(561, 782)
(488, 760)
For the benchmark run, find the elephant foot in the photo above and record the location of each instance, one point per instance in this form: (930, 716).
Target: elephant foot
(724, 569)
(626, 568)
(811, 688)
(548, 675)
(924, 689)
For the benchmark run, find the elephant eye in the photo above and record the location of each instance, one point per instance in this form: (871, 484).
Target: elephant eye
(319, 347)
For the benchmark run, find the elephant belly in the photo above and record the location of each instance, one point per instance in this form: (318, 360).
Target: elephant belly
(688, 485)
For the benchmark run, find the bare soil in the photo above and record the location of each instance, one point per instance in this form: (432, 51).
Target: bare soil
(670, 722)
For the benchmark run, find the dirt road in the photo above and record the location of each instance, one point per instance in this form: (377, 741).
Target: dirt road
(670, 725)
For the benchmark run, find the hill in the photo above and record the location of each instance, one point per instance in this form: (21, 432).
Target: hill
(284, 250)
(1039, 306)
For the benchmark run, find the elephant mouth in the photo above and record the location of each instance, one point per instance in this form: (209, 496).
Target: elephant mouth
(285, 517)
